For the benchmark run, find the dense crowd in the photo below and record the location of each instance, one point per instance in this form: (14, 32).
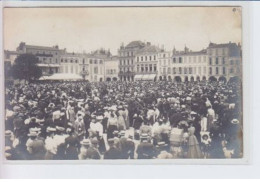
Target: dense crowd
(123, 120)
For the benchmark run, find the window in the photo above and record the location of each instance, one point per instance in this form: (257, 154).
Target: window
(66, 60)
(150, 67)
(137, 59)
(95, 61)
(90, 61)
(76, 61)
(195, 59)
(101, 62)
(145, 58)
(71, 69)
(83, 61)
(185, 70)
(180, 70)
(231, 62)
(71, 61)
(174, 70)
(138, 69)
(210, 61)
(146, 68)
(190, 70)
(127, 62)
(154, 67)
(124, 62)
(154, 58)
(132, 61)
(174, 60)
(223, 60)
(231, 70)
(141, 58)
(216, 70)
(216, 60)
(96, 70)
(142, 68)
(180, 60)
(169, 70)
(163, 55)
(61, 60)
(164, 62)
(150, 58)
(224, 70)
(210, 71)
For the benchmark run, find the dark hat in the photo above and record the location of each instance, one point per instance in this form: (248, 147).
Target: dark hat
(94, 141)
(110, 140)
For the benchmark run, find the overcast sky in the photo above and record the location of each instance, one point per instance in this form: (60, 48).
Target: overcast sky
(88, 29)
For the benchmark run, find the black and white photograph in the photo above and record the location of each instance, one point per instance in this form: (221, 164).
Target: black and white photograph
(123, 83)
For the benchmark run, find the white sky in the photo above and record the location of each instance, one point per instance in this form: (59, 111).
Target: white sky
(88, 29)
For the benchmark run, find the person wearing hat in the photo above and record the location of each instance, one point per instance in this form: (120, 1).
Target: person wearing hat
(145, 128)
(127, 146)
(85, 144)
(113, 152)
(92, 152)
(193, 145)
(35, 147)
(50, 144)
(145, 150)
(80, 129)
(72, 145)
(112, 125)
(97, 127)
(121, 118)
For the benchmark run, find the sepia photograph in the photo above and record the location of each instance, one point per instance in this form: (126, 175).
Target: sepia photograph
(123, 83)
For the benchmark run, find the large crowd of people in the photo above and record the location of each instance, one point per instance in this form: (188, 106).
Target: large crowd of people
(123, 120)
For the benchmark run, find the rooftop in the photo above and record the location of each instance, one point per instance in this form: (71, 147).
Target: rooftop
(134, 44)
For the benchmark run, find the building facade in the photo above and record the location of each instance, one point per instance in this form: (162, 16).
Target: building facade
(218, 62)
(126, 55)
(146, 61)
(224, 61)
(112, 69)
(49, 57)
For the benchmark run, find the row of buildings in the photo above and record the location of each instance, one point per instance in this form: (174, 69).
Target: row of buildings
(139, 61)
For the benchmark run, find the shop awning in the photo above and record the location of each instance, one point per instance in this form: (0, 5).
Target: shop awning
(62, 76)
(145, 77)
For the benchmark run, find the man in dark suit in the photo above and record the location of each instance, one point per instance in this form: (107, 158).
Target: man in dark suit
(112, 152)
(92, 152)
(145, 149)
(127, 146)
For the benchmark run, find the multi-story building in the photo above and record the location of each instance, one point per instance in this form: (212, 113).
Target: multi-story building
(126, 56)
(224, 61)
(188, 65)
(146, 62)
(111, 69)
(217, 62)
(164, 65)
(49, 57)
(96, 61)
(70, 63)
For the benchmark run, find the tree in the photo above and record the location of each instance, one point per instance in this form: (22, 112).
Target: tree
(25, 67)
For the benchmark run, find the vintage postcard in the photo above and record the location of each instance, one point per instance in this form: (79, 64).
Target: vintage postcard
(123, 83)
